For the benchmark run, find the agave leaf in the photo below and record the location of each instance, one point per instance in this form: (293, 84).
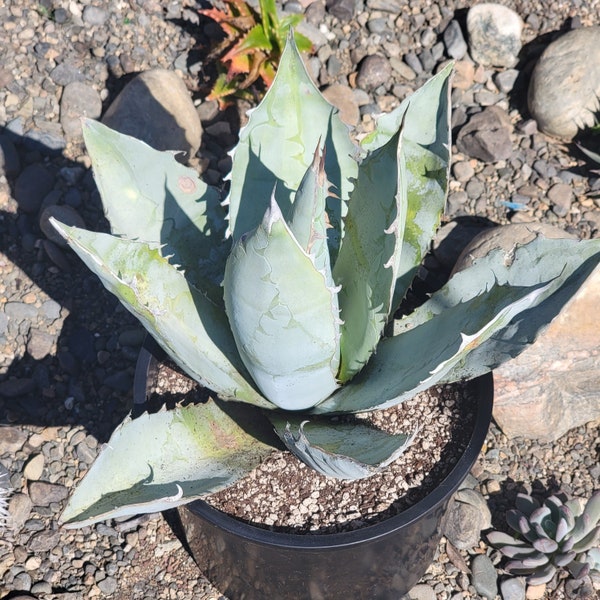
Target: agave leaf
(308, 221)
(277, 145)
(341, 450)
(426, 152)
(191, 328)
(148, 196)
(283, 315)
(563, 262)
(367, 263)
(471, 322)
(163, 460)
(421, 357)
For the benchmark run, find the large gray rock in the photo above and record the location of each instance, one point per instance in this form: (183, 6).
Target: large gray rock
(494, 34)
(156, 107)
(554, 385)
(565, 84)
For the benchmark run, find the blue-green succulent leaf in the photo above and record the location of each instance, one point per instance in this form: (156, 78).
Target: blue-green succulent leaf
(421, 357)
(592, 508)
(526, 504)
(283, 315)
(502, 540)
(561, 559)
(534, 575)
(278, 143)
(545, 545)
(368, 260)
(470, 326)
(426, 152)
(162, 460)
(592, 558)
(148, 196)
(308, 221)
(565, 262)
(589, 541)
(188, 325)
(340, 449)
(539, 515)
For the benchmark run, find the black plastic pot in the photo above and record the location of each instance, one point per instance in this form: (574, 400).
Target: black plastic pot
(380, 561)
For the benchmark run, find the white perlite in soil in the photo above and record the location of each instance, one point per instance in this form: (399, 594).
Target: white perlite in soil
(283, 494)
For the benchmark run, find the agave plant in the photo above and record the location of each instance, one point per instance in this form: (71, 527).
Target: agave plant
(282, 300)
(551, 536)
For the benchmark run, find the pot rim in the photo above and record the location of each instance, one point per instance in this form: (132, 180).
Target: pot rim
(484, 389)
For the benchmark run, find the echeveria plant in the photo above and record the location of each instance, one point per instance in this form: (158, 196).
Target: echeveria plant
(283, 305)
(550, 536)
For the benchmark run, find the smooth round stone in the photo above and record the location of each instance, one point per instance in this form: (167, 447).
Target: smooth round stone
(484, 576)
(32, 185)
(375, 70)
(565, 84)
(468, 514)
(512, 588)
(63, 213)
(155, 106)
(34, 468)
(494, 34)
(78, 100)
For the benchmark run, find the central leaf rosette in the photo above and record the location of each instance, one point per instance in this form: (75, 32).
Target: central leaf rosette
(284, 315)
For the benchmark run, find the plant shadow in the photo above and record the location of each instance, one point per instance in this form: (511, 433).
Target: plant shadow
(82, 374)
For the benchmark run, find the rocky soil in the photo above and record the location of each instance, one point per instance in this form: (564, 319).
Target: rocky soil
(67, 348)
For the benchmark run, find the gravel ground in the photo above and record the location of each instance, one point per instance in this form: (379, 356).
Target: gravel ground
(67, 349)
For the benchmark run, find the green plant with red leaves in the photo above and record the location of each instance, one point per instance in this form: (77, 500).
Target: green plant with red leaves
(252, 48)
